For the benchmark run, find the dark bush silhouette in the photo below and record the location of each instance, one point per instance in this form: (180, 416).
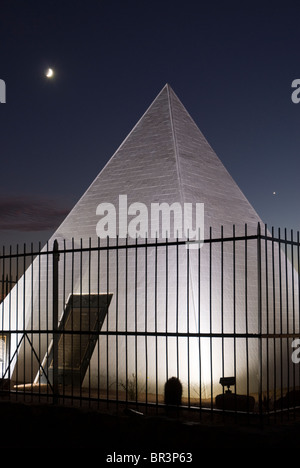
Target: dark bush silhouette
(173, 391)
(290, 400)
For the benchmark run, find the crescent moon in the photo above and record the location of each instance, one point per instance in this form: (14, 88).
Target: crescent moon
(49, 73)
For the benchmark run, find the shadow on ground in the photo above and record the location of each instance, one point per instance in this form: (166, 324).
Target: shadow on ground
(42, 426)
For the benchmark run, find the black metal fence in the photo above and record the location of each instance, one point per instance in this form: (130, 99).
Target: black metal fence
(150, 325)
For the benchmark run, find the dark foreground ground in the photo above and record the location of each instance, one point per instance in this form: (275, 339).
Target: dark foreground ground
(50, 426)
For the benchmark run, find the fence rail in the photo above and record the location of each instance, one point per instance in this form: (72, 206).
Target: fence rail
(154, 324)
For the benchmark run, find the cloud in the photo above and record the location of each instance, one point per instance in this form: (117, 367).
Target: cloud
(30, 214)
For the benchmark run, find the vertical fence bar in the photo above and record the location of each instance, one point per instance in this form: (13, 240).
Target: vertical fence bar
(126, 320)
(287, 318)
(259, 305)
(9, 316)
(188, 318)
(117, 322)
(47, 315)
(135, 320)
(246, 317)
(2, 283)
(274, 323)
(210, 320)
(64, 324)
(177, 309)
(199, 327)
(89, 321)
(222, 308)
(24, 320)
(107, 320)
(99, 337)
(146, 319)
(39, 318)
(31, 321)
(167, 292)
(234, 311)
(72, 320)
(298, 288)
(80, 318)
(293, 307)
(266, 400)
(281, 324)
(155, 320)
(17, 317)
(2, 296)
(55, 321)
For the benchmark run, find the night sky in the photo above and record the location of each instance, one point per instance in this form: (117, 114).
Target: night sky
(230, 63)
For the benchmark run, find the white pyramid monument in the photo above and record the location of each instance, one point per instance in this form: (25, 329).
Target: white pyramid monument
(161, 290)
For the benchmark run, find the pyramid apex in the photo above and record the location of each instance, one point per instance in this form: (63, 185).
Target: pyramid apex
(168, 90)
(167, 87)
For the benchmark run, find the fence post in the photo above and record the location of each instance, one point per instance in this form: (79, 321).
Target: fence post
(259, 291)
(55, 321)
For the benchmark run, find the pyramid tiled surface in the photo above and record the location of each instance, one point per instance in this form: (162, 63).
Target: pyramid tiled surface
(165, 158)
